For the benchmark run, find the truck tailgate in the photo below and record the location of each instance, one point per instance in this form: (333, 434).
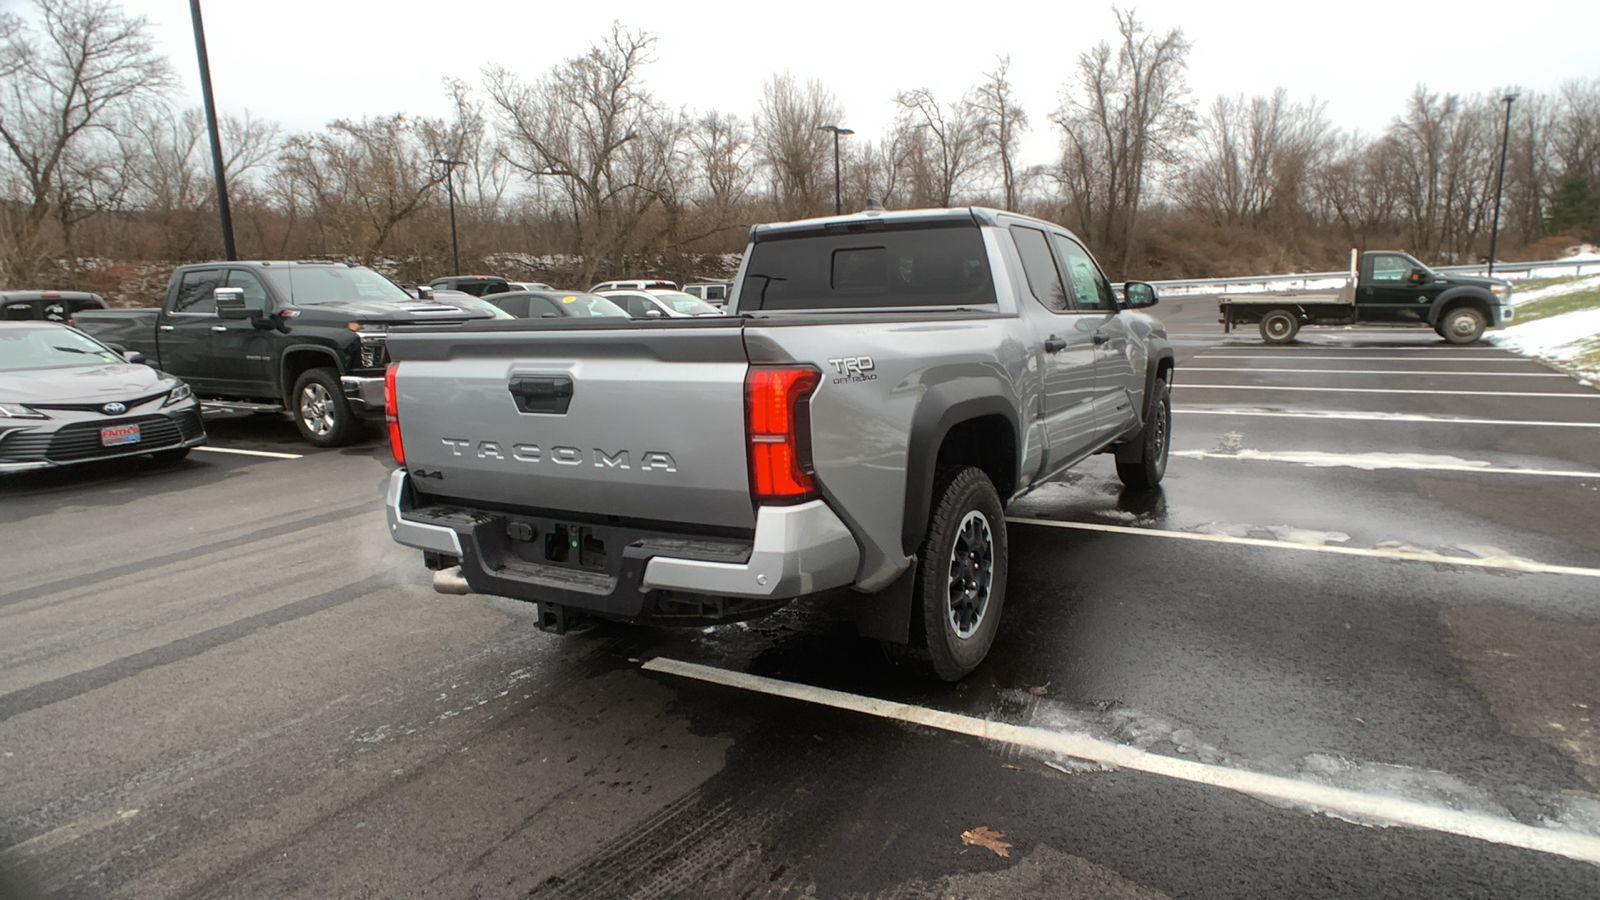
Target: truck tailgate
(643, 422)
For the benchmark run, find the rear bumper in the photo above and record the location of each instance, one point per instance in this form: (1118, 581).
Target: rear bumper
(796, 550)
(364, 394)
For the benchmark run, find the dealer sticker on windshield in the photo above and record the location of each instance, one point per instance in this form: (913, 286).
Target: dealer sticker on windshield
(117, 435)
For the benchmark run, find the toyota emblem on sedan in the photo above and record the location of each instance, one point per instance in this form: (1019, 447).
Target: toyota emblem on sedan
(114, 408)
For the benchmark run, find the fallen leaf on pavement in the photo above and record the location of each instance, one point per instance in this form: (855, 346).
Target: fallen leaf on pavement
(983, 837)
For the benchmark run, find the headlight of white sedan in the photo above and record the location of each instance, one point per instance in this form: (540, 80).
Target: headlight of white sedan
(18, 411)
(178, 394)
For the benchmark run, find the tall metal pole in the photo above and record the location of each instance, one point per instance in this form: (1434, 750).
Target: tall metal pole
(838, 132)
(450, 190)
(216, 137)
(838, 207)
(1499, 179)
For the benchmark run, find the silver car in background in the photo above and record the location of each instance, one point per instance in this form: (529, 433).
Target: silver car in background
(66, 398)
(654, 304)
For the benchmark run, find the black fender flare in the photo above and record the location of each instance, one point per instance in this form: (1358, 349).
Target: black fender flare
(298, 350)
(1485, 301)
(942, 407)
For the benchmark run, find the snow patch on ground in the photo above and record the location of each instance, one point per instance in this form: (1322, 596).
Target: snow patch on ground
(1367, 461)
(1288, 534)
(1556, 290)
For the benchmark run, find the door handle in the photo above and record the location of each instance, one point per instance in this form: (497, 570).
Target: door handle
(168, 327)
(219, 328)
(1100, 338)
(1053, 344)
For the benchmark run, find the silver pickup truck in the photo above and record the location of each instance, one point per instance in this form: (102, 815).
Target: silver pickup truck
(882, 385)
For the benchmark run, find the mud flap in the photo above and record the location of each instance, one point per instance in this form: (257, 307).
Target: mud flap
(886, 615)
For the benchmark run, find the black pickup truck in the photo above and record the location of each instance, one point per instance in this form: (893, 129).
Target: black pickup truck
(306, 337)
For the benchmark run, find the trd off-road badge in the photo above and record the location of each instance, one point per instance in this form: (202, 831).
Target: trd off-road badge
(853, 368)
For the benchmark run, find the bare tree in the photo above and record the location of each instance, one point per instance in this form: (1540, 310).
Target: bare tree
(789, 145)
(90, 64)
(1002, 121)
(952, 150)
(1254, 159)
(361, 179)
(591, 127)
(1129, 114)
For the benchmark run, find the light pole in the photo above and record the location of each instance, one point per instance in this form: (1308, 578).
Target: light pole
(450, 190)
(1499, 179)
(211, 127)
(837, 133)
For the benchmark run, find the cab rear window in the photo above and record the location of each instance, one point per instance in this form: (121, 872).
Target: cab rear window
(922, 266)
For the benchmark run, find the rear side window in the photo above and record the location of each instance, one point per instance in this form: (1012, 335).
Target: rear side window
(928, 266)
(1043, 279)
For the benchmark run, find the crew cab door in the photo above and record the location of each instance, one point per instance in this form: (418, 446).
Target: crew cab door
(1117, 385)
(1065, 351)
(242, 354)
(1386, 292)
(184, 330)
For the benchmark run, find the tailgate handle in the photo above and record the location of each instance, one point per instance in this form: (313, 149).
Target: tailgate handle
(542, 393)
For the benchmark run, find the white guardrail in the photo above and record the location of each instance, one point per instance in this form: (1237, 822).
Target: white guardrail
(1514, 271)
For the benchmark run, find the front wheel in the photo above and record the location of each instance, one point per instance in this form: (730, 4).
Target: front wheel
(961, 573)
(321, 411)
(1145, 472)
(1461, 325)
(1279, 326)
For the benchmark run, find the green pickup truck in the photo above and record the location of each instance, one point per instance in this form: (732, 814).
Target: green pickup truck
(1383, 288)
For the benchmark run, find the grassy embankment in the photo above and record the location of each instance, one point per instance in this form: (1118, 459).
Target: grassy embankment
(1574, 301)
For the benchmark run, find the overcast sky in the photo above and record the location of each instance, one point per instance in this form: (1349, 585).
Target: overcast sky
(304, 63)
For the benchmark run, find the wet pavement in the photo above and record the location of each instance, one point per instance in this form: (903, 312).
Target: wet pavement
(221, 679)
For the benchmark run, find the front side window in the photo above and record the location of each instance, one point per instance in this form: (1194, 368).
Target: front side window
(1090, 290)
(255, 293)
(1386, 267)
(195, 292)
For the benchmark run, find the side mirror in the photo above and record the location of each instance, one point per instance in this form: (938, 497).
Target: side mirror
(1139, 294)
(424, 292)
(1417, 277)
(132, 357)
(230, 303)
(652, 314)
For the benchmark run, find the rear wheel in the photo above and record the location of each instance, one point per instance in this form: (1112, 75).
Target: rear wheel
(1146, 472)
(1461, 325)
(321, 411)
(1279, 326)
(961, 575)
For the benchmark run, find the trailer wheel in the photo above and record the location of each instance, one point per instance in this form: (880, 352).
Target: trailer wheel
(1279, 326)
(1461, 325)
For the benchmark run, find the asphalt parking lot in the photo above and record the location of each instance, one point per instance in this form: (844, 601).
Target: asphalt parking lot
(1351, 649)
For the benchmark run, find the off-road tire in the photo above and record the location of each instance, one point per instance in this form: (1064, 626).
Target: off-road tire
(1154, 441)
(960, 585)
(1279, 326)
(321, 411)
(1461, 325)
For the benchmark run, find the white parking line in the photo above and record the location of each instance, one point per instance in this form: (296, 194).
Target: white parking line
(1374, 461)
(1375, 372)
(1512, 563)
(1590, 395)
(265, 453)
(1377, 417)
(1343, 801)
(1297, 357)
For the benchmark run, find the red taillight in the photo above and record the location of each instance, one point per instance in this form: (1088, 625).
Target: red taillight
(778, 429)
(392, 415)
